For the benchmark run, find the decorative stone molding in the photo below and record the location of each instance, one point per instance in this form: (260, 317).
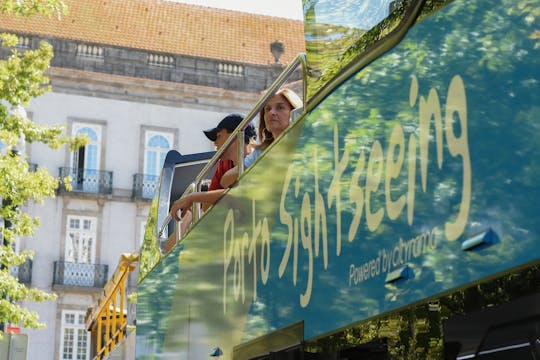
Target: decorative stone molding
(161, 60)
(165, 68)
(230, 69)
(91, 51)
(25, 42)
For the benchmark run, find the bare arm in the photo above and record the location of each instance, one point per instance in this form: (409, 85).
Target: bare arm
(184, 227)
(185, 202)
(229, 177)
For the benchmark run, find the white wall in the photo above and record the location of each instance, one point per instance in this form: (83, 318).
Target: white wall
(123, 121)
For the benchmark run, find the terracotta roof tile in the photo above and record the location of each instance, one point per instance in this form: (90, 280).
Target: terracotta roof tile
(169, 27)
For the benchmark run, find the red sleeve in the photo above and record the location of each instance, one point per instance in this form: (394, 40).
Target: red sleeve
(222, 168)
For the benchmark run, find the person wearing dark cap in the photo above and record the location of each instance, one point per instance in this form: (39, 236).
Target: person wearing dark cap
(219, 136)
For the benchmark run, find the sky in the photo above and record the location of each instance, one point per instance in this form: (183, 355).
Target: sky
(291, 9)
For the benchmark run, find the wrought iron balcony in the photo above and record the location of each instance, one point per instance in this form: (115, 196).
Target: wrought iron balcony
(88, 180)
(78, 274)
(22, 272)
(144, 186)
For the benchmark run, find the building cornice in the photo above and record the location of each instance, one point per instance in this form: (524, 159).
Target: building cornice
(151, 91)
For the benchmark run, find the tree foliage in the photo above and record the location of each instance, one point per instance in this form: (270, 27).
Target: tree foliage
(22, 78)
(33, 7)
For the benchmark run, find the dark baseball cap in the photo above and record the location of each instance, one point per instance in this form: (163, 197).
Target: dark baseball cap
(229, 123)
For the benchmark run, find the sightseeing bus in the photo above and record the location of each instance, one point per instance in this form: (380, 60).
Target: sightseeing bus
(396, 218)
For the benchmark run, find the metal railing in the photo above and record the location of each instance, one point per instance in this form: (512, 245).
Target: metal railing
(22, 272)
(87, 180)
(79, 274)
(107, 321)
(144, 186)
(238, 134)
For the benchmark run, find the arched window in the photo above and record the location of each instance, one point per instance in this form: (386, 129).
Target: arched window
(156, 147)
(85, 162)
(88, 157)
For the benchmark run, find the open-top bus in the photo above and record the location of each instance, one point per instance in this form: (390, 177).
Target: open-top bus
(397, 217)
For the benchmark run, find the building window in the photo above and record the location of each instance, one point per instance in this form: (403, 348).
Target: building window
(75, 338)
(87, 157)
(85, 162)
(157, 145)
(80, 239)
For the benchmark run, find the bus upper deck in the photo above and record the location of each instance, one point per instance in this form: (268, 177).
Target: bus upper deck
(397, 209)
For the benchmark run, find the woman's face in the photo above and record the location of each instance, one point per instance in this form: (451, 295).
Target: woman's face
(277, 113)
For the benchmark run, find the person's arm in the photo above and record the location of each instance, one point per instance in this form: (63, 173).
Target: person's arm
(185, 202)
(173, 238)
(229, 177)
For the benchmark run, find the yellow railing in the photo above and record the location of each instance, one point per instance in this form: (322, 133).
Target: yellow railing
(107, 321)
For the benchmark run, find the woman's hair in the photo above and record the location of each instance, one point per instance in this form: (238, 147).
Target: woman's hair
(265, 136)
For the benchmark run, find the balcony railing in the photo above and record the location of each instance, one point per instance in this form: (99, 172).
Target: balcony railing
(22, 272)
(88, 180)
(144, 186)
(78, 274)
